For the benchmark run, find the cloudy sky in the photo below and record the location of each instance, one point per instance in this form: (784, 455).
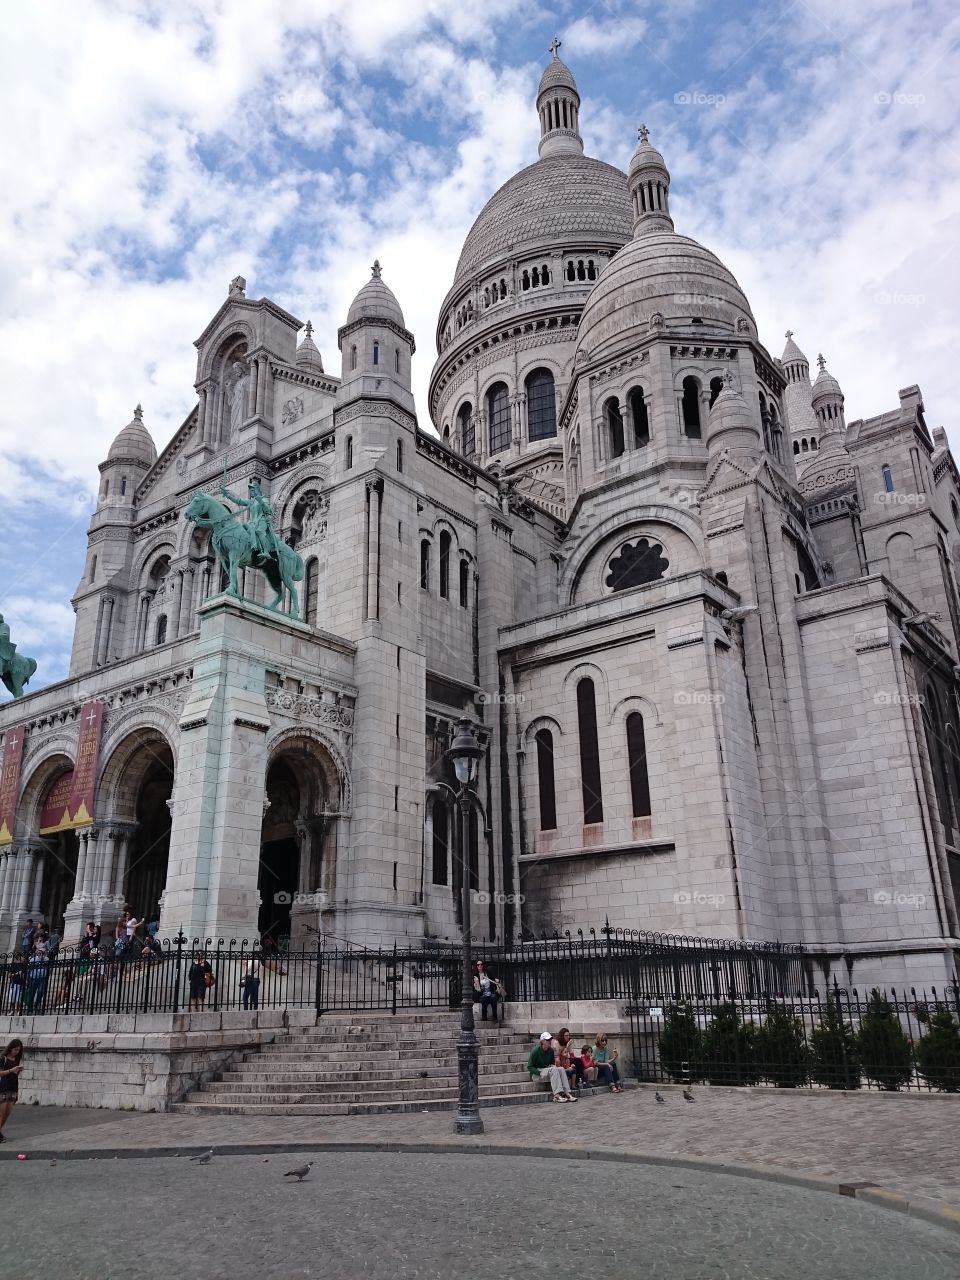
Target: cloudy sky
(155, 150)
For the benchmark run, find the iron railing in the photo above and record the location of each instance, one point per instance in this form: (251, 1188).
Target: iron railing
(612, 966)
(885, 1038)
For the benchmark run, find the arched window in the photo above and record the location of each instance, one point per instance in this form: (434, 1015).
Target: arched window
(425, 564)
(444, 564)
(796, 446)
(311, 585)
(162, 629)
(123, 485)
(613, 420)
(525, 281)
(106, 488)
(813, 444)
(399, 455)
(544, 274)
(691, 408)
(467, 429)
(545, 778)
(498, 416)
(353, 357)
(637, 763)
(441, 841)
(376, 352)
(93, 568)
(887, 479)
(446, 433)
(589, 752)
(535, 277)
(804, 447)
(541, 405)
(641, 419)
(464, 584)
(716, 386)
(348, 453)
(591, 270)
(396, 357)
(571, 270)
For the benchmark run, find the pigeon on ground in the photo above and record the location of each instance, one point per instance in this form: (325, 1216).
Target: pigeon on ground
(300, 1173)
(659, 1096)
(688, 1096)
(205, 1158)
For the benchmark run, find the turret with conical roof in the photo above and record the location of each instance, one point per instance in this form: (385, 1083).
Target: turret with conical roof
(376, 344)
(828, 404)
(308, 355)
(732, 427)
(128, 460)
(558, 104)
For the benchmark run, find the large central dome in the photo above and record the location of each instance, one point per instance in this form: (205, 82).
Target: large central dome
(558, 200)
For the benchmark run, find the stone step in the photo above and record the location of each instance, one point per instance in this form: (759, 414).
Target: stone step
(350, 1109)
(374, 1037)
(312, 1097)
(380, 1057)
(296, 1075)
(232, 1085)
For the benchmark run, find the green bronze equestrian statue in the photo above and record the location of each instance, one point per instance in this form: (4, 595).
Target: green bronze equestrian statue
(15, 668)
(254, 545)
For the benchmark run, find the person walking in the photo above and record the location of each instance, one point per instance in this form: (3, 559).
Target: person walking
(250, 983)
(11, 1064)
(542, 1066)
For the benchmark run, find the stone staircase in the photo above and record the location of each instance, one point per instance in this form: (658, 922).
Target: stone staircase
(362, 1063)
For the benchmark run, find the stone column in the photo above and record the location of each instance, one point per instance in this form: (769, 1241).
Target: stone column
(105, 867)
(124, 838)
(36, 893)
(174, 628)
(90, 862)
(375, 500)
(250, 408)
(201, 413)
(81, 864)
(25, 879)
(186, 603)
(104, 632)
(9, 874)
(263, 385)
(304, 839)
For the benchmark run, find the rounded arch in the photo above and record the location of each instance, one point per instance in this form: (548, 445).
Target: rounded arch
(540, 387)
(218, 348)
(588, 671)
(315, 748)
(542, 722)
(622, 525)
(636, 702)
(148, 553)
(284, 496)
(128, 760)
(56, 759)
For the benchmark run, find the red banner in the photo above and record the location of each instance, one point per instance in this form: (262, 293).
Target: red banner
(69, 802)
(10, 781)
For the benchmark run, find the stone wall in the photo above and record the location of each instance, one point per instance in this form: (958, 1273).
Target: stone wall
(138, 1062)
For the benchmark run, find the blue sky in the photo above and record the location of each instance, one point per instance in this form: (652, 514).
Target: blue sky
(154, 151)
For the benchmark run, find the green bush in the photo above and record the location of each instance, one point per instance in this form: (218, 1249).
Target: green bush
(730, 1048)
(782, 1054)
(681, 1044)
(885, 1051)
(834, 1055)
(938, 1052)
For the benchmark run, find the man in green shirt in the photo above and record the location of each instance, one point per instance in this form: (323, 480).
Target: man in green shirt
(542, 1066)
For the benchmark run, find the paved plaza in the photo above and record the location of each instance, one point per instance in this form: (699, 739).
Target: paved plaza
(900, 1142)
(392, 1214)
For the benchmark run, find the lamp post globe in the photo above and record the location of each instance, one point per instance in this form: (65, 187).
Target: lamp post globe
(465, 754)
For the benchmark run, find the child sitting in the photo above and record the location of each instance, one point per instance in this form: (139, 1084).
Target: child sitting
(588, 1064)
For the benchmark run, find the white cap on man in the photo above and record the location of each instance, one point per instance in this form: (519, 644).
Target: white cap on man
(545, 1035)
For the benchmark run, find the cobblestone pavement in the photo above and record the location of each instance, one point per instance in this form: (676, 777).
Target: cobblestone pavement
(386, 1215)
(896, 1141)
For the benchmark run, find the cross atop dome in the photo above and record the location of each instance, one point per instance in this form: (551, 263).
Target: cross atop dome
(555, 47)
(643, 133)
(788, 335)
(821, 362)
(308, 328)
(138, 413)
(376, 270)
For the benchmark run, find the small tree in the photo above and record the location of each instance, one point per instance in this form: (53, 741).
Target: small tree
(782, 1053)
(681, 1044)
(884, 1048)
(834, 1055)
(730, 1048)
(938, 1052)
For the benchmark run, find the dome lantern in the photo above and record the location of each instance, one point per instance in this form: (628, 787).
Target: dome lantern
(558, 105)
(649, 180)
(827, 402)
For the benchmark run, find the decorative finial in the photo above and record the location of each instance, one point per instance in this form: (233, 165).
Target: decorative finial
(789, 334)
(237, 287)
(308, 328)
(554, 46)
(138, 413)
(376, 268)
(643, 133)
(822, 363)
(728, 380)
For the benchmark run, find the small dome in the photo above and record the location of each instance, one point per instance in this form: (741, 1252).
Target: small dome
(308, 356)
(792, 353)
(661, 273)
(134, 443)
(826, 384)
(646, 155)
(732, 424)
(557, 75)
(375, 302)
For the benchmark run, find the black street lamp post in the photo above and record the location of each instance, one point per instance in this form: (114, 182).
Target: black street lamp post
(465, 754)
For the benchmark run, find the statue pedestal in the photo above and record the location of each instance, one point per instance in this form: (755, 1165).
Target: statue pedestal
(218, 797)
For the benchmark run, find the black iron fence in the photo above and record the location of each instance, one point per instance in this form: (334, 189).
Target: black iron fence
(219, 974)
(879, 1039)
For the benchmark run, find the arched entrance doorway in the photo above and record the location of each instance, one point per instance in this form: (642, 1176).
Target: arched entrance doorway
(55, 852)
(135, 791)
(298, 840)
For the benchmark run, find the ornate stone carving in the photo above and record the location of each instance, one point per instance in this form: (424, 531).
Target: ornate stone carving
(292, 410)
(306, 707)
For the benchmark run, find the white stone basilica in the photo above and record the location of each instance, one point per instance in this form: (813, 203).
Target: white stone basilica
(707, 628)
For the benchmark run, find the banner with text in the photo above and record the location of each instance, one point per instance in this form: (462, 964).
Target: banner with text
(69, 802)
(10, 782)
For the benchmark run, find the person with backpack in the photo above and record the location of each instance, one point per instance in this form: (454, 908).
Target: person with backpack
(201, 979)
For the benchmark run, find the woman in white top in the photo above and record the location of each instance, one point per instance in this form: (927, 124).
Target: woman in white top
(250, 984)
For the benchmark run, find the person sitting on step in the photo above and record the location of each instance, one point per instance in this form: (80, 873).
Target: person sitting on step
(588, 1064)
(606, 1060)
(566, 1058)
(542, 1066)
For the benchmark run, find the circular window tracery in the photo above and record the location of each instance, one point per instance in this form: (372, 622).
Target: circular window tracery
(636, 564)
